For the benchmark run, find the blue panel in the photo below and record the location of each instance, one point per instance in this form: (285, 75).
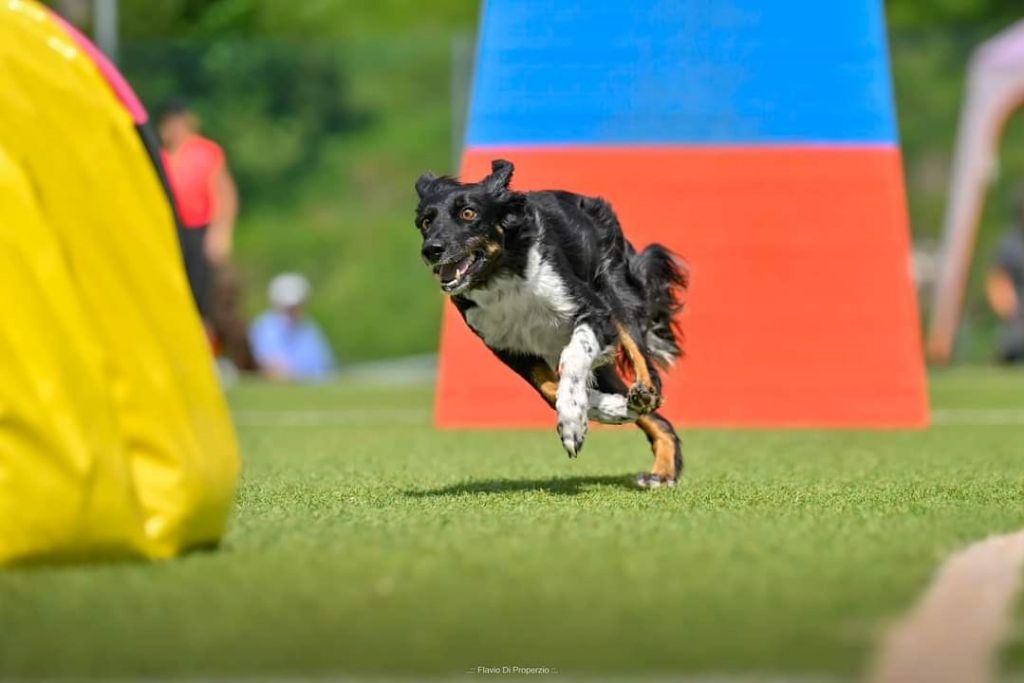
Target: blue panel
(689, 71)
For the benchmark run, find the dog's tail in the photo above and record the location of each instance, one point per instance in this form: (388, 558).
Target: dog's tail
(664, 278)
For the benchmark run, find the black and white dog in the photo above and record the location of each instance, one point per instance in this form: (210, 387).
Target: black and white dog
(550, 284)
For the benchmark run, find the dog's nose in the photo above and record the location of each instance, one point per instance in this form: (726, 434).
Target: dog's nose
(432, 250)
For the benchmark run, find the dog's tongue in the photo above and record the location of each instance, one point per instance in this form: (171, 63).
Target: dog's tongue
(452, 271)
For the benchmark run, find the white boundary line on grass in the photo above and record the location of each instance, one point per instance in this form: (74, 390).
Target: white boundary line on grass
(368, 417)
(943, 417)
(954, 632)
(977, 417)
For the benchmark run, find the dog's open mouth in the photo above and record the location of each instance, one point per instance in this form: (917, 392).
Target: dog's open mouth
(453, 274)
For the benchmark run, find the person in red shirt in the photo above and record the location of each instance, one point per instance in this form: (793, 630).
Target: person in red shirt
(204, 194)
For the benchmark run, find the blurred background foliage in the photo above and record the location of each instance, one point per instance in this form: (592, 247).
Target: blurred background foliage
(329, 109)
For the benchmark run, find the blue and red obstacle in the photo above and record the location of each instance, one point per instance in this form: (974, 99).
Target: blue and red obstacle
(757, 140)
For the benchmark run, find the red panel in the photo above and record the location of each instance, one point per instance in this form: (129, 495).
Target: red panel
(801, 310)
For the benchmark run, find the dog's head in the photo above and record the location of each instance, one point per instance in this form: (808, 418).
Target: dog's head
(466, 226)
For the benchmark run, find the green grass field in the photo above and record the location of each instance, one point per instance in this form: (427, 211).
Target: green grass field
(366, 542)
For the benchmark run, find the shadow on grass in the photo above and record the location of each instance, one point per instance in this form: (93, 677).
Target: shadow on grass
(567, 486)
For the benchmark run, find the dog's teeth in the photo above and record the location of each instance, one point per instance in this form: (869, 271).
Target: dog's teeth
(461, 270)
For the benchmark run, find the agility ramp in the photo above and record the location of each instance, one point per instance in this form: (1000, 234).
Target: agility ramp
(758, 141)
(115, 440)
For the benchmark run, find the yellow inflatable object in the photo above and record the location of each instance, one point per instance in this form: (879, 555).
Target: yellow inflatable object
(115, 440)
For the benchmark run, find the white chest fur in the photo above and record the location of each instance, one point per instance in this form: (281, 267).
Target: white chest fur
(528, 314)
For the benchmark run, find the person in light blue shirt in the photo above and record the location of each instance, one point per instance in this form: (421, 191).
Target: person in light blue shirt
(287, 343)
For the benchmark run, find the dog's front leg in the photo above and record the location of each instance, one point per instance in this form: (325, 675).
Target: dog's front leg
(572, 399)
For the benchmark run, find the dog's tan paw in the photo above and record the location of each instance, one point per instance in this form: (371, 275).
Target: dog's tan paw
(642, 399)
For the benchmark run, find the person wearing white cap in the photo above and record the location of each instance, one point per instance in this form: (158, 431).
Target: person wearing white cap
(287, 343)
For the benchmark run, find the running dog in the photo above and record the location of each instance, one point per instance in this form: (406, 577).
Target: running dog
(550, 284)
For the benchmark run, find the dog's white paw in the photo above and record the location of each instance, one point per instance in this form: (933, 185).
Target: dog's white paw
(610, 409)
(571, 404)
(572, 432)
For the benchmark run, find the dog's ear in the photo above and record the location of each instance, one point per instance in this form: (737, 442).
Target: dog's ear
(425, 184)
(501, 176)
(429, 183)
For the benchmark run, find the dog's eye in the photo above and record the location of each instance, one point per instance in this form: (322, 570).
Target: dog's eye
(467, 214)
(424, 224)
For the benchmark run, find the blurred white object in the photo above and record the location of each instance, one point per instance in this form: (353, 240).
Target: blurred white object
(288, 290)
(105, 23)
(925, 264)
(995, 88)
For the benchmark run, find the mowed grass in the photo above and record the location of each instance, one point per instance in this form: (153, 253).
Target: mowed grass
(366, 542)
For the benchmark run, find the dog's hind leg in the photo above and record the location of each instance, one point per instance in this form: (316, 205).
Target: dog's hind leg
(644, 396)
(667, 450)
(665, 444)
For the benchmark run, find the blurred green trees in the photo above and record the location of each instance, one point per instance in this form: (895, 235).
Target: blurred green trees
(328, 110)
(270, 104)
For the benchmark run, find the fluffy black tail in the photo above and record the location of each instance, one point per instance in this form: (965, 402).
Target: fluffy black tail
(665, 279)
